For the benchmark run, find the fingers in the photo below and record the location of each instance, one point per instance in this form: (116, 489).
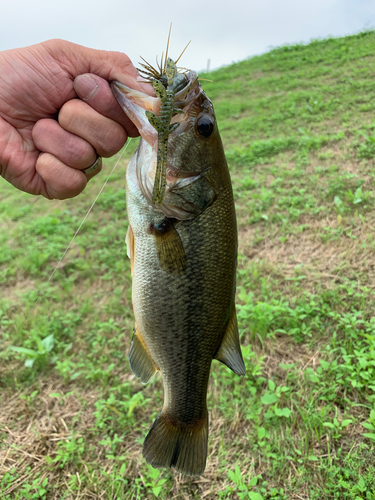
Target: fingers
(64, 155)
(61, 181)
(104, 134)
(70, 149)
(81, 133)
(91, 125)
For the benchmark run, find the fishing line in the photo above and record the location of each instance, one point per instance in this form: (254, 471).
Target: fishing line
(88, 213)
(40, 294)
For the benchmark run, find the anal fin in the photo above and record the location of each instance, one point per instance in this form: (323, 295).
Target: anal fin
(229, 351)
(140, 359)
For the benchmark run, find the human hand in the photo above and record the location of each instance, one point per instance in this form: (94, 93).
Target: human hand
(57, 113)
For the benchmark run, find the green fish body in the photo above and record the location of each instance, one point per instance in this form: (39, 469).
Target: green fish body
(183, 257)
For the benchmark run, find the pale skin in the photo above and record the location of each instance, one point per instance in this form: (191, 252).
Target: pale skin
(57, 113)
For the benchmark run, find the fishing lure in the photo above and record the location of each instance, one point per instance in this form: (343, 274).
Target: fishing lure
(162, 124)
(167, 81)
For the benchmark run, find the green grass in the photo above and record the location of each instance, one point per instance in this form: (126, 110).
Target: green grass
(298, 125)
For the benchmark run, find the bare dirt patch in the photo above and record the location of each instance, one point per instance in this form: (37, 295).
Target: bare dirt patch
(33, 426)
(323, 262)
(14, 290)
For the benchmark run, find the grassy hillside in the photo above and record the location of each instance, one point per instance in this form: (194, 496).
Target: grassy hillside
(298, 124)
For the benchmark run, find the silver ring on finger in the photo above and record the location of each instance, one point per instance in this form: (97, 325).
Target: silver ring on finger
(94, 167)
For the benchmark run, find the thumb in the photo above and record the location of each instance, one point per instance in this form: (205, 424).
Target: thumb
(97, 93)
(109, 65)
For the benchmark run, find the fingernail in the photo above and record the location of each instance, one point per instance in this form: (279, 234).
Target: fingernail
(145, 85)
(85, 86)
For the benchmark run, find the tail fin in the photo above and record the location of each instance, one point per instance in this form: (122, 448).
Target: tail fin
(176, 444)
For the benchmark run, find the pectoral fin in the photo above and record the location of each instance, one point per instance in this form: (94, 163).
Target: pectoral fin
(169, 247)
(229, 351)
(182, 182)
(140, 359)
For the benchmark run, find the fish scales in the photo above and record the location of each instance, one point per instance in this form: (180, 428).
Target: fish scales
(201, 316)
(184, 256)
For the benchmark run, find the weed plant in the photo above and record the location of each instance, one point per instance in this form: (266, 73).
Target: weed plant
(299, 130)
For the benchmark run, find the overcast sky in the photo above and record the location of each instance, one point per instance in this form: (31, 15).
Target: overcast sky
(239, 29)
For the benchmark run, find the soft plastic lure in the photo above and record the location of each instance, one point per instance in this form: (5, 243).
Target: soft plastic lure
(162, 124)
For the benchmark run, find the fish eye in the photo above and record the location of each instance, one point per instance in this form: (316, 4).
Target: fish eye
(205, 126)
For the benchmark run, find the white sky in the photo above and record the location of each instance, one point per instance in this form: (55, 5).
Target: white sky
(224, 34)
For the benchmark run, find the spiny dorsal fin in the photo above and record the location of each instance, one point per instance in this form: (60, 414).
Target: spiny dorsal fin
(229, 351)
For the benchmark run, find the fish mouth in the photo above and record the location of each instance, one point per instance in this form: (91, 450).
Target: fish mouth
(135, 104)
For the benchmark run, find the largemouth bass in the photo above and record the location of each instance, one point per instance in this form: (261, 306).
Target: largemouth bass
(183, 251)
